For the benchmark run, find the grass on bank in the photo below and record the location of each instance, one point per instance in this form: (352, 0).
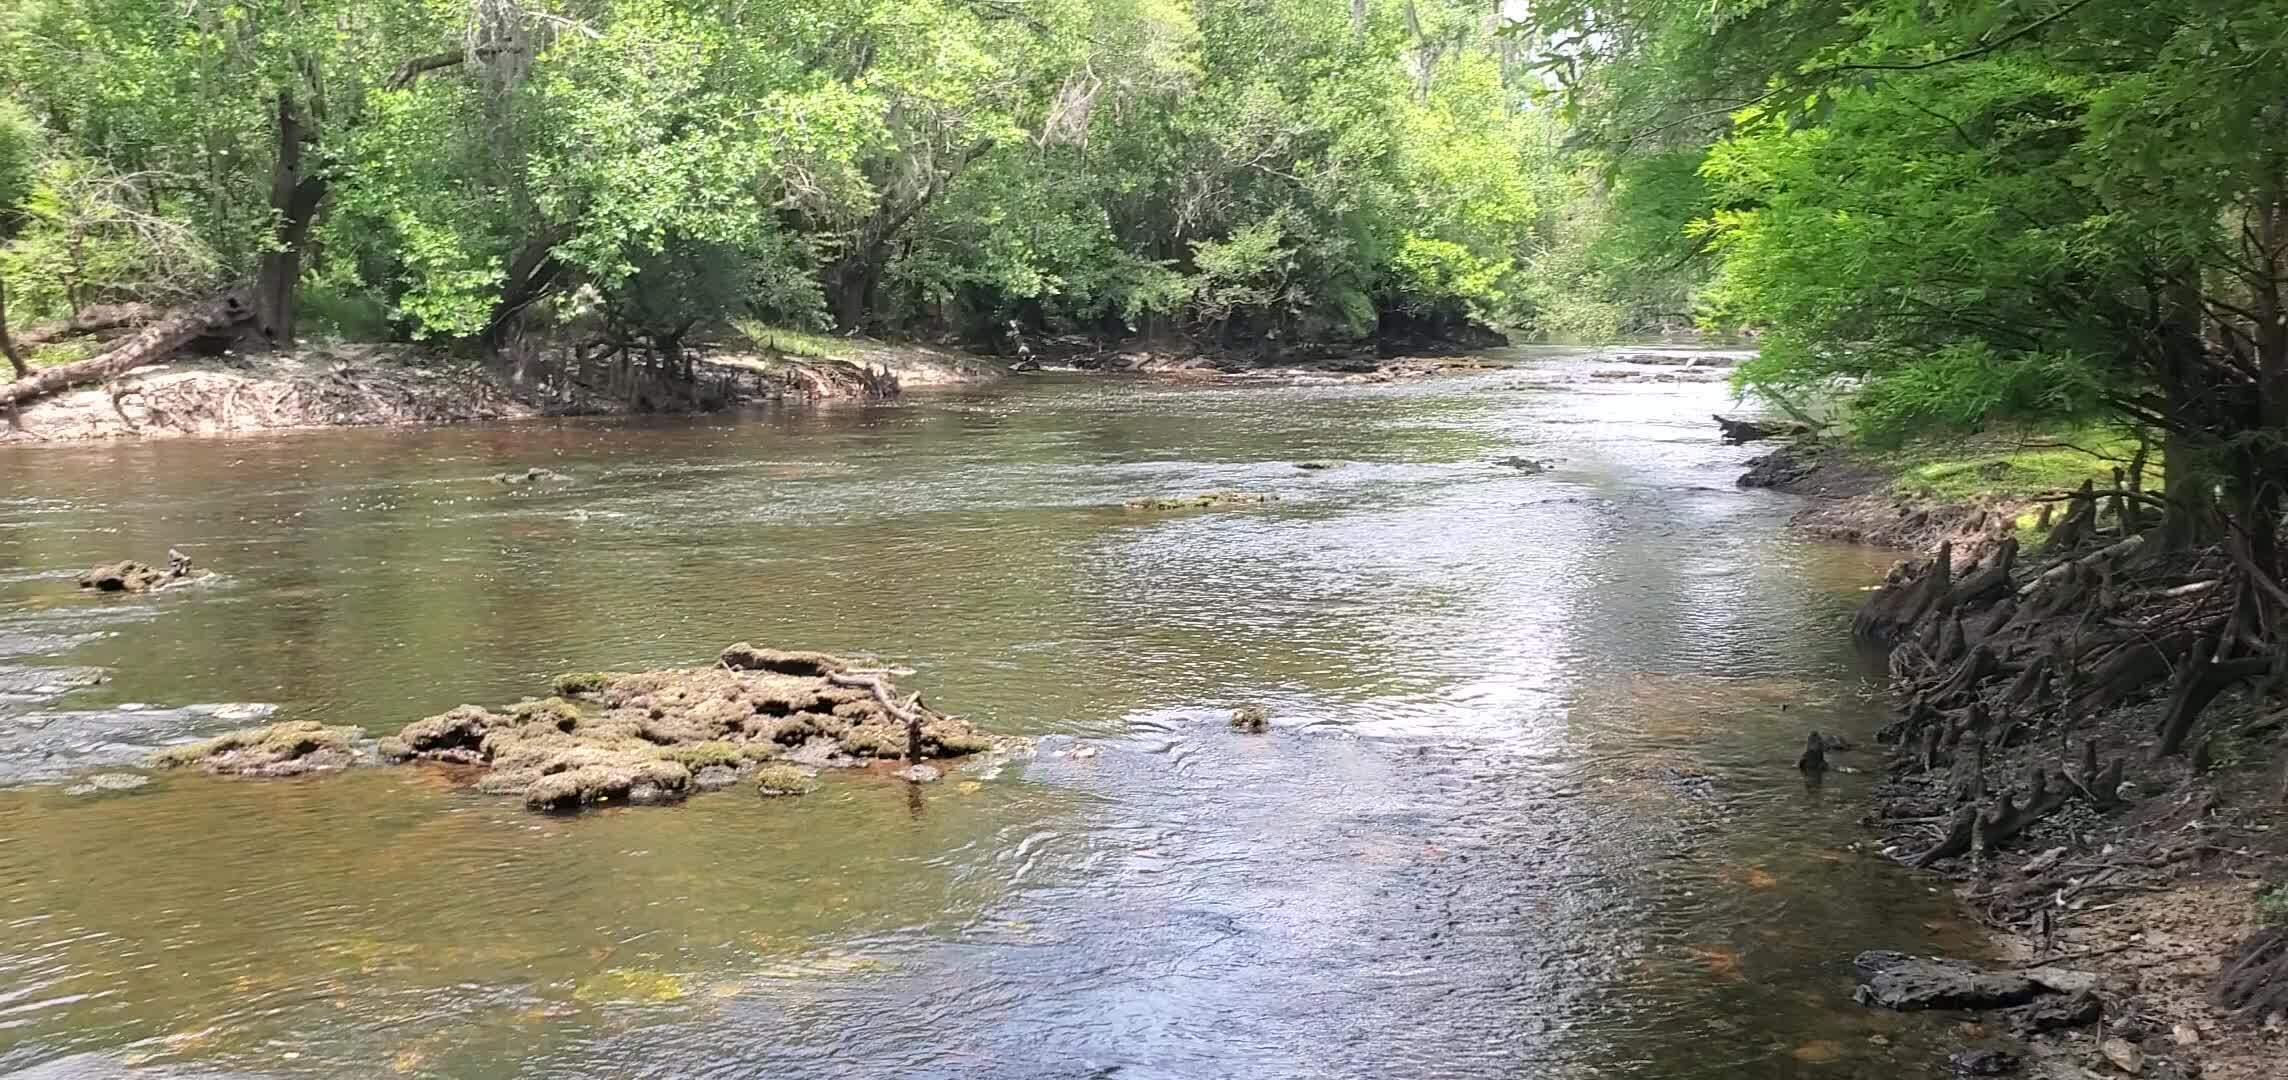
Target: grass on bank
(790, 342)
(2019, 463)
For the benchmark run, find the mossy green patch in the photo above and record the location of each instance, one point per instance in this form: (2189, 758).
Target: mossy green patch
(283, 749)
(700, 755)
(788, 341)
(573, 683)
(784, 780)
(2272, 906)
(2014, 464)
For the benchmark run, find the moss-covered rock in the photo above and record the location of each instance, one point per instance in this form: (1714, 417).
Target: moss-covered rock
(605, 778)
(654, 736)
(575, 683)
(127, 576)
(784, 780)
(728, 754)
(285, 749)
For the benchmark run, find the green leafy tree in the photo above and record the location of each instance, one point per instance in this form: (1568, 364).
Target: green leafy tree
(19, 171)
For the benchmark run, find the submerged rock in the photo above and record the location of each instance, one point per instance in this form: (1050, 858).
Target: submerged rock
(133, 577)
(1897, 981)
(102, 783)
(657, 736)
(1253, 719)
(1213, 500)
(534, 475)
(1318, 465)
(921, 772)
(288, 749)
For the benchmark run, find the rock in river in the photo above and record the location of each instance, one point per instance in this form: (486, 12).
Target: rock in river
(1898, 981)
(657, 736)
(288, 749)
(102, 783)
(134, 577)
(1213, 500)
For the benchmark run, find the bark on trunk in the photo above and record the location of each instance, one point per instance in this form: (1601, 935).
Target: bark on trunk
(151, 344)
(295, 194)
(8, 344)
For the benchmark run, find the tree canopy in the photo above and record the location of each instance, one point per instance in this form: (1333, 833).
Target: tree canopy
(1948, 213)
(1247, 172)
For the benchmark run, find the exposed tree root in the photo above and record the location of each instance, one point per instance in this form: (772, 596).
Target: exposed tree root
(2254, 982)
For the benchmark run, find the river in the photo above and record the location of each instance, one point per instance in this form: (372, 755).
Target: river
(1527, 808)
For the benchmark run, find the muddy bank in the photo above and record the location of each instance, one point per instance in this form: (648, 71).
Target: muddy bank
(2051, 756)
(1853, 500)
(373, 385)
(763, 716)
(238, 394)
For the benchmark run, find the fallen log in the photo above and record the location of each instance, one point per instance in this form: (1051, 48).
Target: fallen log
(149, 345)
(94, 320)
(1736, 432)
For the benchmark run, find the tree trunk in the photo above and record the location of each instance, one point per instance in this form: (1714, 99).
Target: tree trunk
(530, 275)
(151, 344)
(853, 288)
(295, 195)
(2190, 517)
(2261, 471)
(8, 344)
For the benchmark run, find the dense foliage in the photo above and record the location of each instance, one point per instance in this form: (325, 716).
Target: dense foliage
(1250, 171)
(1944, 212)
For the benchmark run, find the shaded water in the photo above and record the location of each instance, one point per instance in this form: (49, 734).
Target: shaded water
(1527, 808)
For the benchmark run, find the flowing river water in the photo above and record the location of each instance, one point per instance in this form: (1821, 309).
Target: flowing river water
(1527, 808)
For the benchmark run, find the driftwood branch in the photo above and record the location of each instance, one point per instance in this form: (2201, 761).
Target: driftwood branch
(149, 345)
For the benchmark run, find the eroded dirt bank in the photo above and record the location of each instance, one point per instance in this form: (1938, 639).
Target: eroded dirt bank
(2045, 760)
(373, 385)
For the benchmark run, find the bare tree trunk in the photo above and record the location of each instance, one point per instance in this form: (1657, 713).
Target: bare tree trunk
(2261, 470)
(2190, 516)
(8, 344)
(294, 199)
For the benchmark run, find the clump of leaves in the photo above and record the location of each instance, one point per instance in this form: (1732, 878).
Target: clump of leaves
(2272, 905)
